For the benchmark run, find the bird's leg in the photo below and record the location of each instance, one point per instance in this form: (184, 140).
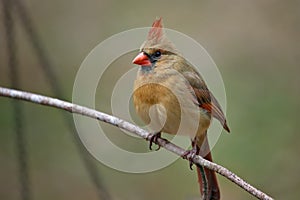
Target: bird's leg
(153, 138)
(189, 154)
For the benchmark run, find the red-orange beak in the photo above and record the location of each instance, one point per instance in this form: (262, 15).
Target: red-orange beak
(142, 59)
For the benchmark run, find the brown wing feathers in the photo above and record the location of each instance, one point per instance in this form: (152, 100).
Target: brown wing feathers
(208, 102)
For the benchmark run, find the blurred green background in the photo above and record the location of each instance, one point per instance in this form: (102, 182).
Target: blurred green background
(256, 46)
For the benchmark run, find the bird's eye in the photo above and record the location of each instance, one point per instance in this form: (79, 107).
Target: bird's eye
(157, 54)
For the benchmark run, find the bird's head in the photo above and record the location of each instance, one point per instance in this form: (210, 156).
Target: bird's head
(156, 48)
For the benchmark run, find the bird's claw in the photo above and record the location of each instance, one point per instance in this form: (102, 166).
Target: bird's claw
(153, 138)
(189, 155)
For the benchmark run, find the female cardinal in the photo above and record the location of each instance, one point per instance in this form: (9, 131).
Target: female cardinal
(163, 78)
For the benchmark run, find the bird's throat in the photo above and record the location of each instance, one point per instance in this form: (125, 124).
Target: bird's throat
(147, 69)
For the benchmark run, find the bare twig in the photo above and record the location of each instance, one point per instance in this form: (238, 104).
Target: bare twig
(73, 108)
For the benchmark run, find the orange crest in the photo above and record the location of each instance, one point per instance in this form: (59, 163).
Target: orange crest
(156, 32)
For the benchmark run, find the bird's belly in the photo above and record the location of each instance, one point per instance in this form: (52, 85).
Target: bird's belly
(165, 111)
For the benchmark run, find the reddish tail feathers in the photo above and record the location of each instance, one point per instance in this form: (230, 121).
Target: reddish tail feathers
(213, 191)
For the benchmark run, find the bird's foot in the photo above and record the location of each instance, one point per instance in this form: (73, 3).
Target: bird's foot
(153, 138)
(189, 155)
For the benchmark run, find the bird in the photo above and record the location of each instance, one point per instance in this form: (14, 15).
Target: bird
(166, 87)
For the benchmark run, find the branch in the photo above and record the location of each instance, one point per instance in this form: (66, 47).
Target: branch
(73, 108)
